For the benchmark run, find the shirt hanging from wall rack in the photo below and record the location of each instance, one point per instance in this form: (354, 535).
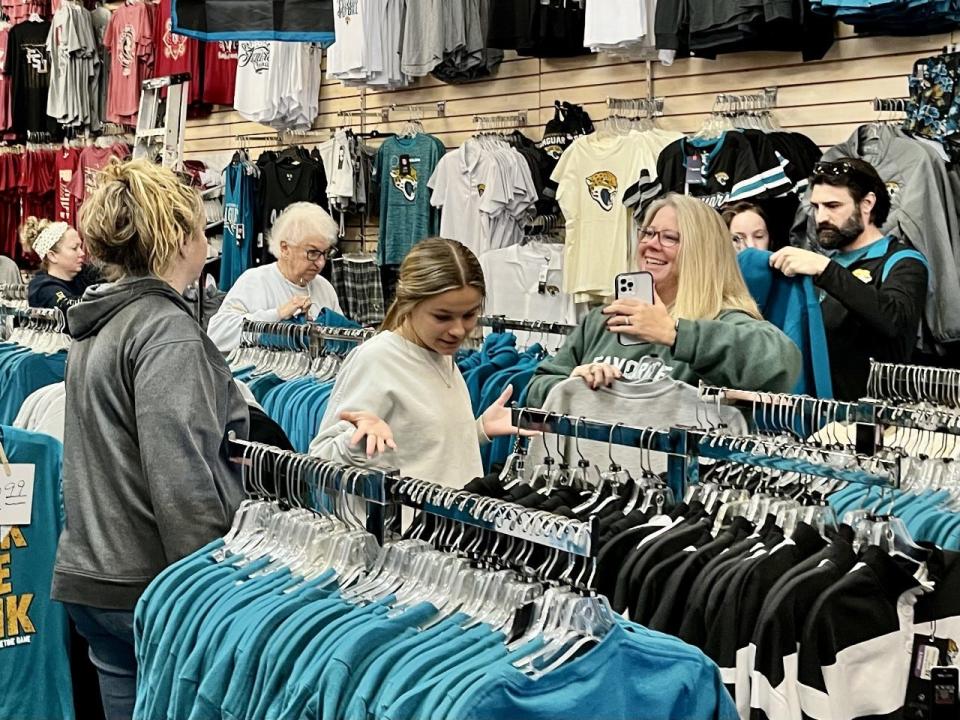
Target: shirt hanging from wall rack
(934, 108)
(239, 217)
(593, 175)
(175, 53)
(472, 58)
(278, 83)
(524, 281)
(485, 190)
(29, 68)
(73, 99)
(367, 51)
(93, 159)
(538, 28)
(709, 29)
(220, 72)
(623, 27)
(925, 18)
(129, 40)
(401, 171)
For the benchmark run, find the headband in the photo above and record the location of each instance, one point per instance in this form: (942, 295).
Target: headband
(49, 237)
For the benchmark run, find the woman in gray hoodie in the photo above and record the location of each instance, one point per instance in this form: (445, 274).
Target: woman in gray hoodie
(146, 474)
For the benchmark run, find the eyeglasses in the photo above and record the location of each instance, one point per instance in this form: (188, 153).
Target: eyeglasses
(314, 255)
(667, 238)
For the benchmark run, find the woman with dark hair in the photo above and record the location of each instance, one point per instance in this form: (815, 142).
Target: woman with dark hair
(748, 225)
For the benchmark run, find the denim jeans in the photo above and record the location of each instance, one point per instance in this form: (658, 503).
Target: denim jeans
(110, 636)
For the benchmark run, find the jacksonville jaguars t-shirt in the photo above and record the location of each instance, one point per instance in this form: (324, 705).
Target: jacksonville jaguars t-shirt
(591, 178)
(401, 169)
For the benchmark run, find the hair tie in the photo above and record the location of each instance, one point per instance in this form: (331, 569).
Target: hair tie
(49, 237)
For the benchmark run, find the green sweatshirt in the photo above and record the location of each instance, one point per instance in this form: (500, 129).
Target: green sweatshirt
(733, 351)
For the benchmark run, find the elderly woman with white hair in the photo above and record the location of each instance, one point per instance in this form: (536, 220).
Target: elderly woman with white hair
(301, 239)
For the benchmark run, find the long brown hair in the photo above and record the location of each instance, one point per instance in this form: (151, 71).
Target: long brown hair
(434, 266)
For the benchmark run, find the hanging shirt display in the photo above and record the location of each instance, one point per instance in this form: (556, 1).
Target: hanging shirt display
(367, 51)
(471, 57)
(129, 39)
(402, 168)
(621, 27)
(6, 115)
(29, 68)
(287, 20)
(278, 83)
(239, 219)
(175, 53)
(484, 192)
(72, 45)
(220, 72)
(524, 281)
(93, 159)
(68, 158)
(592, 176)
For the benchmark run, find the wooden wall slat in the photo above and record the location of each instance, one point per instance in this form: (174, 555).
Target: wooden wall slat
(825, 99)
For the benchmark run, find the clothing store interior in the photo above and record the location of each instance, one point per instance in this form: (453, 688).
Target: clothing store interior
(661, 303)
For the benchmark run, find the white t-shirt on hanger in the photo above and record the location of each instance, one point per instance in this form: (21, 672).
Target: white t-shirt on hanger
(254, 96)
(525, 281)
(614, 22)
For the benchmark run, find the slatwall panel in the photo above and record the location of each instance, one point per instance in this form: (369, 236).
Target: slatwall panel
(825, 100)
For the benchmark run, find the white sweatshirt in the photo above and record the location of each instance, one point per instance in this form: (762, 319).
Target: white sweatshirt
(422, 396)
(257, 295)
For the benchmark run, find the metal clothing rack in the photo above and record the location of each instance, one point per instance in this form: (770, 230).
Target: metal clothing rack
(895, 105)
(640, 107)
(726, 104)
(803, 415)
(684, 446)
(536, 526)
(303, 337)
(372, 486)
(500, 324)
(383, 489)
(13, 292)
(486, 123)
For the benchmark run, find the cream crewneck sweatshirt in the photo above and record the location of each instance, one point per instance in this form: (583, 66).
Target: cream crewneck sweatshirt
(422, 397)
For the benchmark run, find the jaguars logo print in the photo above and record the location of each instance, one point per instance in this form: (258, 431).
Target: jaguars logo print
(554, 151)
(603, 188)
(406, 184)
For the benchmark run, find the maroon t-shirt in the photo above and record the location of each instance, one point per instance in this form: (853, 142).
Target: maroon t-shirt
(176, 53)
(220, 72)
(66, 166)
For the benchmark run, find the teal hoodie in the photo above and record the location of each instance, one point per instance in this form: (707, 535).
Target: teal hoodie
(734, 351)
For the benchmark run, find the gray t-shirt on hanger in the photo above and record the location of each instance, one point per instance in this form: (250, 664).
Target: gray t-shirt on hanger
(660, 404)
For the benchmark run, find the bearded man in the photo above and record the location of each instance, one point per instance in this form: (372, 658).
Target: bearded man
(873, 286)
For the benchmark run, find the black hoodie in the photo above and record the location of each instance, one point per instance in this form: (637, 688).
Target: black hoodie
(146, 472)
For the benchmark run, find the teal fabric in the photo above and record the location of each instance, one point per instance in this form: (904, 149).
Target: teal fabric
(36, 665)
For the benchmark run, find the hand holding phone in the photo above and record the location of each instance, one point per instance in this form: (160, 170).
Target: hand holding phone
(638, 286)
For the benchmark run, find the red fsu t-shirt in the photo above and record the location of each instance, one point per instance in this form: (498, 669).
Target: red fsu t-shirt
(176, 53)
(220, 72)
(66, 165)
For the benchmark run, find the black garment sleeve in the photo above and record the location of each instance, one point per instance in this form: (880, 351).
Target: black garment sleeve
(892, 310)
(671, 23)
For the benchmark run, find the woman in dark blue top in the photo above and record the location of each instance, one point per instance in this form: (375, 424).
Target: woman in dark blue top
(60, 281)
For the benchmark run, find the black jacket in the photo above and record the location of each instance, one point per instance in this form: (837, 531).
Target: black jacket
(872, 307)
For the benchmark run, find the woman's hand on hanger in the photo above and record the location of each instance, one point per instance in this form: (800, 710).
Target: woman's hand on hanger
(497, 419)
(294, 306)
(597, 375)
(378, 434)
(652, 323)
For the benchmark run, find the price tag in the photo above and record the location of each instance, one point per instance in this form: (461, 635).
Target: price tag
(542, 280)
(16, 495)
(695, 170)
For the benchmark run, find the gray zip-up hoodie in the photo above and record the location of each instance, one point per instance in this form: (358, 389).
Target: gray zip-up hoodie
(146, 474)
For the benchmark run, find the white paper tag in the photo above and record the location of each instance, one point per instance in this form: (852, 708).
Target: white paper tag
(16, 495)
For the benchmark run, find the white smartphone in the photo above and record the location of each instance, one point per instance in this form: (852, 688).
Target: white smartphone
(637, 285)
